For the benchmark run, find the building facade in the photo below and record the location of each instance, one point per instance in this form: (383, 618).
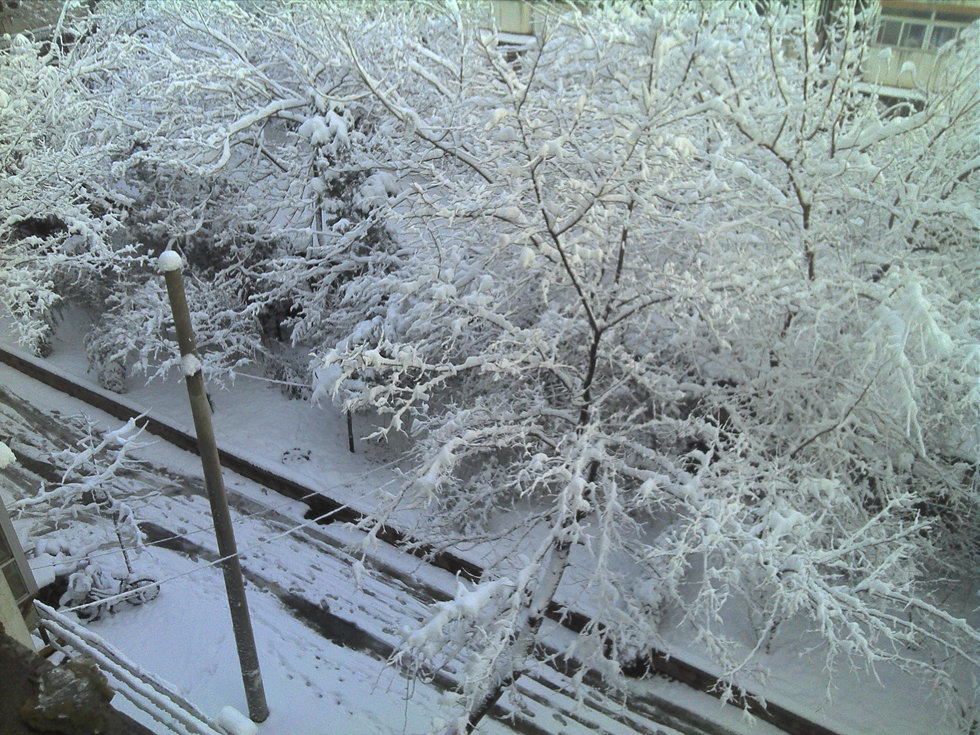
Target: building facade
(910, 38)
(17, 586)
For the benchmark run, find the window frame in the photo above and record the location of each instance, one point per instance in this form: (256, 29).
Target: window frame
(908, 20)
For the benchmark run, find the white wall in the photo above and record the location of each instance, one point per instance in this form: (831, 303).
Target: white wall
(10, 617)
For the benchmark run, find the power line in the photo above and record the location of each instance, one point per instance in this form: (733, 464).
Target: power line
(240, 518)
(206, 565)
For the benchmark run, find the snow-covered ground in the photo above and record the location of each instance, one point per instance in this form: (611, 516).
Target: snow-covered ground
(319, 670)
(313, 683)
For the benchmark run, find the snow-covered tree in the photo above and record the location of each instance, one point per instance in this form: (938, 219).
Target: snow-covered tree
(246, 158)
(848, 190)
(205, 127)
(640, 332)
(57, 220)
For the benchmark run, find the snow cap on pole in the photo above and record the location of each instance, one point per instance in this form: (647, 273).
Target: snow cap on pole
(170, 260)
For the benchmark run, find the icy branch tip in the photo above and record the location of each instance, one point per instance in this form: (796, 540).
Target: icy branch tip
(170, 260)
(190, 365)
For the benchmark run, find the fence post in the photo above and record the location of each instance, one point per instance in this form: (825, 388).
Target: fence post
(170, 265)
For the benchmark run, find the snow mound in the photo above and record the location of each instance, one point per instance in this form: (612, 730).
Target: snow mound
(234, 722)
(7, 457)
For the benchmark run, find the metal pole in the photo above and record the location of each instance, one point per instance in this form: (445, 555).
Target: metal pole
(258, 710)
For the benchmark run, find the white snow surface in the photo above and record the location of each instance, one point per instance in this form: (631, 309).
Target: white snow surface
(312, 684)
(235, 722)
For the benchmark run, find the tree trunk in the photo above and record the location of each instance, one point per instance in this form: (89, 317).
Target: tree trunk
(508, 669)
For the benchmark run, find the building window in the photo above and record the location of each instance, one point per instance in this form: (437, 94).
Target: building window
(941, 35)
(913, 35)
(889, 32)
(920, 29)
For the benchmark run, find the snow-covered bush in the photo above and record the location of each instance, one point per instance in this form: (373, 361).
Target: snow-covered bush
(72, 522)
(218, 129)
(243, 161)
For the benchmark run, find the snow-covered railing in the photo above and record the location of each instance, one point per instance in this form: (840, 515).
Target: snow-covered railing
(148, 693)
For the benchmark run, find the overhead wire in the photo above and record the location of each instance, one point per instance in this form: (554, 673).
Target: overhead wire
(199, 529)
(241, 517)
(206, 565)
